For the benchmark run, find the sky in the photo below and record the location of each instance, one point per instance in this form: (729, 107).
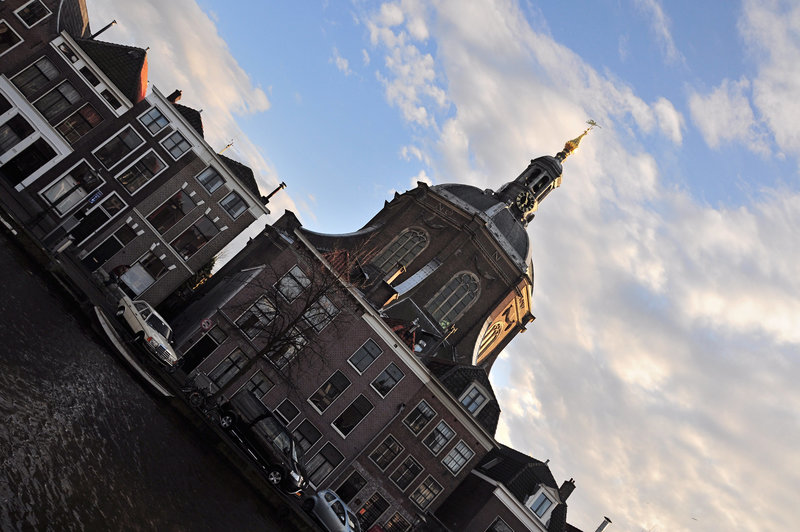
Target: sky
(661, 370)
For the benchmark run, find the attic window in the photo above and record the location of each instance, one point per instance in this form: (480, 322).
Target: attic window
(154, 120)
(541, 505)
(473, 400)
(176, 145)
(32, 13)
(8, 37)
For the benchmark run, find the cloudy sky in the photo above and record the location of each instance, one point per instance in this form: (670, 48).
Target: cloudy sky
(661, 370)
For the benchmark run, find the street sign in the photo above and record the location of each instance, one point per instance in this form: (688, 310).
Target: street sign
(94, 197)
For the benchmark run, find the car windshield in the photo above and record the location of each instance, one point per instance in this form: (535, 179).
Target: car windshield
(338, 509)
(161, 327)
(353, 522)
(271, 430)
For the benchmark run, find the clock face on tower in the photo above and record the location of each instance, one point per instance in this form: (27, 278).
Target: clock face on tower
(525, 201)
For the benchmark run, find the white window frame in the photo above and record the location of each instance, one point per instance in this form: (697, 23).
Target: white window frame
(133, 163)
(224, 208)
(482, 391)
(259, 311)
(441, 489)
(333, 468)
(221, 183)
(159, 130)
(291, 273)
(352, 365)
(420, 431)
(100, 204)
(372, 384)
(401, 464)
(183, 190)
(399, 453)
(62, 176)
(534, 498)
(451, 451)
(280, 415)
(16, 12)
(359, 421)
(112, 137)
(349, 383)
(169, 137)
(437, 453)
(11, 28)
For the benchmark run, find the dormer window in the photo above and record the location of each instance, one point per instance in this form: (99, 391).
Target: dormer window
(540, 505)
(473, 399)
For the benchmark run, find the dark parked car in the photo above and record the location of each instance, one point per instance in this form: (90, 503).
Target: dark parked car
(261, 435)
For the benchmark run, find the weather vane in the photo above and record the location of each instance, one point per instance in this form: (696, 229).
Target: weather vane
(571, 145)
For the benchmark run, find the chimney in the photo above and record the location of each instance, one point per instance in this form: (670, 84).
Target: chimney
(566, 489)
(175, 96)
(603, 525)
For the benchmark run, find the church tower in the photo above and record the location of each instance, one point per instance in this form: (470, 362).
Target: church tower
(449, 265)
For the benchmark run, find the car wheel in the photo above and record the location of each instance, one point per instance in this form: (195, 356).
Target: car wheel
(274, 476)
(226, 421)
(195, 399)
(307, 505)
(138, 337)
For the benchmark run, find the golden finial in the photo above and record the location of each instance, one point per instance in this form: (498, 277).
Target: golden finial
(571, 145)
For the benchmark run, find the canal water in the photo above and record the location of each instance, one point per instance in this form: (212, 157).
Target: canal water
(84, 445)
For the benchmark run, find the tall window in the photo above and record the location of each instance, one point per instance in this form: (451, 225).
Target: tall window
(372, 510)
(176, 145)
(426, 492)
(397, 523)
(292, 284)
(258, 385)
(109, 247)
(57, 101)
(352, 415)
(233, 204)
(210, 179)
(454, 299)
(13, 131)
(351, 486)
(153, 120)
(195, 237)
(406, 472)
(439, 437)
(97, 217)
(8, 37)
(171, 212)
(287, 411)
(32, 12)
(419, 417)
(118, 147)
(458, 456)
(320, 313)
(143, 273)
(79, 123)
(328, 392)
(365, 355)
(228, 368)
(202, 348)
(498, 525)
(258, 316)
(321, 465)
(35, 77)
(385, 453)
(473, 399)
(541, 505)
(387, 379)
(142, 171)
(306, 435)
(27, 162)
(402, 249)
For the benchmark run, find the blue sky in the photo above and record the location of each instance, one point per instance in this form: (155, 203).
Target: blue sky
(661, 370)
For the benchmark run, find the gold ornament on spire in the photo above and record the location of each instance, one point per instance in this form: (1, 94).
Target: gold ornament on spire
(571, 145)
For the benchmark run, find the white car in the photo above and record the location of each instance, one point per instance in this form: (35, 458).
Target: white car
(149, 328)
(331, 512)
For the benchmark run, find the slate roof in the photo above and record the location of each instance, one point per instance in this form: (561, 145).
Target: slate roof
(192, 116)
(126, 66)
(75, 18)
(457, 377)
(243, 173)
(520, 473)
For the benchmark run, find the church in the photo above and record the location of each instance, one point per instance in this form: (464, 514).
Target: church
(375, 348)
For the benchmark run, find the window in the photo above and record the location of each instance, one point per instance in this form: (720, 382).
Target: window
(79, 123)
(403, 250)
(143, 273)
(57, 101)
(210, 179)
(287, 411)
(111, 99)
(473, 399)
(202, 348)
(254, 319)
(35, 77)
(258, 385)
(109, 247)
(171, 212)
(68, 52)
(96, 218)
(540, 505)
(387, 380)
(153, 120)
(328, 392)
(439, 437)
(352, 415)
(5, 105)
(292, 343)
(320, 313)
(372, 510)
(118, 147)
(8, 37)
(176, 145)
(419, 417)
(365, 355)
(195, 237)
(406, 472)
(498, 525)
(306, 435)
(385, 453)
(13, 131)
(89, 75)
(454, 299)
(426, 492)
(292, 284)
(68, 191)
(233, 204)
(321, 465)
(351, 486)
(141, 172)
(27, 162)
(32, 12)
(458, 457)
(397, 523)
(228, 368)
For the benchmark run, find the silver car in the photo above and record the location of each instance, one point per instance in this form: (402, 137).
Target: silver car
(149, 328)
(331, 512)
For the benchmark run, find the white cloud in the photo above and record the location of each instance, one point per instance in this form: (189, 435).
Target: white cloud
(421, 176)
(341, 63)
(669, 120)
(365, 57)
(660, 26)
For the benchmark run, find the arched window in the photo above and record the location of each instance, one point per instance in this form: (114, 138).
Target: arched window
(402, 249)
(454, 299)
